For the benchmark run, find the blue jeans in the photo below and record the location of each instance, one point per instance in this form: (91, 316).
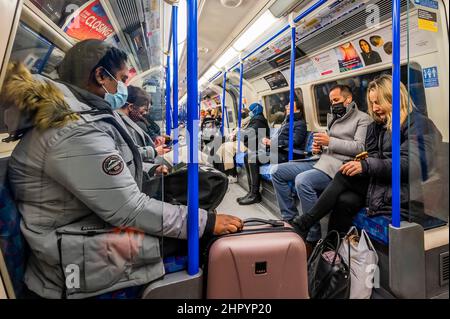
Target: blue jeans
(305, 176)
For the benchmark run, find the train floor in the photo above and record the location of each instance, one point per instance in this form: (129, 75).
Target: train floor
(230, 206)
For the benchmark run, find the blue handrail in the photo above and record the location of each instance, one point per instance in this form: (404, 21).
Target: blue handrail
(168, 102)
(175, 82)
(238, 149)
(396, 77)
(192, 126)
(224, 109)
(292, 95)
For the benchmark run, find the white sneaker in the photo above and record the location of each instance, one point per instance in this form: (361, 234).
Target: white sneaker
(232, 180)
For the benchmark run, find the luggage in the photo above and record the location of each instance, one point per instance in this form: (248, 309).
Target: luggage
(267, 260)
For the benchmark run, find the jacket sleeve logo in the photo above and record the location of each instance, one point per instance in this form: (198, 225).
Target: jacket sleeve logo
(113, 165)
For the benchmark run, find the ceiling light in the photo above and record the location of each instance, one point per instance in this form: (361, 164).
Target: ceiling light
(263, 23)
(231, 3)
(229, 55)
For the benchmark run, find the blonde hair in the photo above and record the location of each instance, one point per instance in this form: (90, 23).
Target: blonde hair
(383, 87)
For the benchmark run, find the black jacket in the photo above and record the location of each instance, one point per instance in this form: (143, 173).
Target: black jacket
(300, 132)
(282, 138)
(419, 141)
(257, 129)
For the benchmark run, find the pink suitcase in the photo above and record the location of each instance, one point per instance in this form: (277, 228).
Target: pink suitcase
(267, 260)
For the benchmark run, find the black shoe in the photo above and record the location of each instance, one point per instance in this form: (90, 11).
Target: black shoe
(252, 199)
(301, 225)
(239, 199)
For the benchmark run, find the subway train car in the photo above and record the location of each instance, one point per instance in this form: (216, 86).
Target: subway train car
(127, 126)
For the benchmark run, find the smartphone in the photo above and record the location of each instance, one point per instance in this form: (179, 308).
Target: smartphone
(361, 156)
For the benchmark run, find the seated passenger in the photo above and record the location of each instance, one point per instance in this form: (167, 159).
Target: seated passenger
(344, 139)
(137, 105)
(76, 176)
(131, 117)
(369, 182)
(256, 131)
(279, 155)
(224, 160)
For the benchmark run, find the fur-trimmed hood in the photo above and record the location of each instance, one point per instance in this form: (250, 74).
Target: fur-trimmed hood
(30, 102)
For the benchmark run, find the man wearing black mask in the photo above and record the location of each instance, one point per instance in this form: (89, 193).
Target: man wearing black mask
(343, 140)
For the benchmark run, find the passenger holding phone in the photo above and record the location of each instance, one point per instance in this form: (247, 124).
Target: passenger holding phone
(343, 140)
(367, 179)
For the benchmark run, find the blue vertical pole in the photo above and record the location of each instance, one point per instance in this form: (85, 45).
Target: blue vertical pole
(175, 82)
(168, 102)
(224, 109)
(199, 103)
(396, 113)
(241, 77)
(292, 93)
(192, 120)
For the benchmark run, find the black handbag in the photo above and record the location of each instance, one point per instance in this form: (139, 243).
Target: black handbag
(173, 188)
(328, 274)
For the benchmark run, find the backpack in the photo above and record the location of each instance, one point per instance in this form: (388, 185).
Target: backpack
(212, 183)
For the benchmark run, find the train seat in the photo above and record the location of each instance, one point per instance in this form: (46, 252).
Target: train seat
(377, 227)
(12, 243)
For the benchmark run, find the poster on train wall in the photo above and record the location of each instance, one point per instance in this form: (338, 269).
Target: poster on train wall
(89, 22)
(348, 58)
(305, 72)
(326, 63)
(376, 47)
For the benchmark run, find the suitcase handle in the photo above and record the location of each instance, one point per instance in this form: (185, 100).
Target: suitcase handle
(274, 223)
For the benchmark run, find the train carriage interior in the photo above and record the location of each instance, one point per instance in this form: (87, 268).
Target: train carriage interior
(242, 59)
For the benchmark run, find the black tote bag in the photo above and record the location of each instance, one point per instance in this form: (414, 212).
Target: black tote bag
(328, 274)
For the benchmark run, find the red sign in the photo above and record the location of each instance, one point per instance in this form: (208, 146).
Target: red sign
(90, 22)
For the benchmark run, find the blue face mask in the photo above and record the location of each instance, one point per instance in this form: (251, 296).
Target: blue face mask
(118, 99)
(251, 114)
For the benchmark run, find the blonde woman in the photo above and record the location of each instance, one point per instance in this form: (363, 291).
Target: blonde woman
(367, 183)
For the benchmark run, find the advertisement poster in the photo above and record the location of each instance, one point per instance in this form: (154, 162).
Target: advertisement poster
(276, 80)
(348, 58)
(90, 22)
(377, 47)
(326, 63)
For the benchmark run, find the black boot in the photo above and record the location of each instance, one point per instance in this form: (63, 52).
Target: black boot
(302, 224)
(249, 181)
(255, 196)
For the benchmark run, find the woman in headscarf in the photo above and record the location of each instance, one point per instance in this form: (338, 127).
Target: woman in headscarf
(256, 131)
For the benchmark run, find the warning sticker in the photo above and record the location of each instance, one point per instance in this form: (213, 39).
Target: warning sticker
(428, 20)
(430, 77)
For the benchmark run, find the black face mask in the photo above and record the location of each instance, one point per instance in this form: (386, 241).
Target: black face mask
(339, 109)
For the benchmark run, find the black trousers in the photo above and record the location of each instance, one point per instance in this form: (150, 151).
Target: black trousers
(343, 198)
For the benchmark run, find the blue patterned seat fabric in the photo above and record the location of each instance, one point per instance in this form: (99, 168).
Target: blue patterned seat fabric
(12, 243)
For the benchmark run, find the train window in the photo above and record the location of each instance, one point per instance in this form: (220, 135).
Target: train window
(275, 105)
(359, 86)
(36, 52)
